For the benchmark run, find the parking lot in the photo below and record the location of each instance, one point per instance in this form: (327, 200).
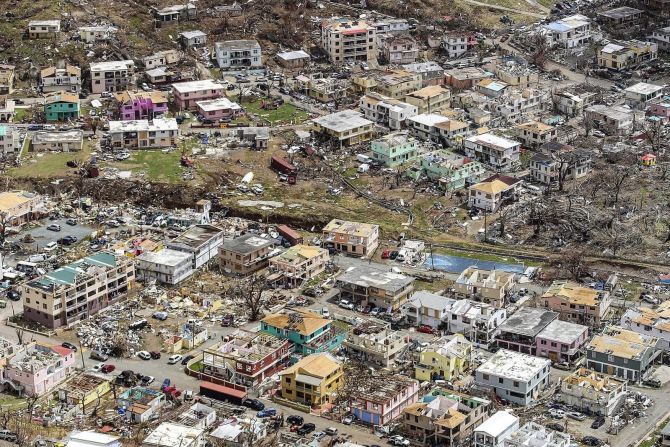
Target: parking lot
(42, 236)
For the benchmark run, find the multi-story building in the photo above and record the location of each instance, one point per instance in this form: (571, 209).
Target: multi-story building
(6, 79)
(247, 358)
(234, 55)
(548, 165)
(63, 141)
(373, 341)
(660, 108)
(7, 110)
(517, 105)
(478, 322)
(438, 128)
(426, 309)
(561, 341)
(621, 17)
(622, 353)
(392, 26)
(141, 105)
(569, 32)
(77, 290)
(91, 34)
(535, 133)
(347, 127)
(61, 106)
(298, 264)
(161, 59)
(386, 111)
(309, 332)
(576, 303)
(327, 89)
(661, 37)
(537, 435)
(245, 254)
(448, 170)
(175, 13)
(612, 120)
(398, 50)
(592, 393)
(201, 242)
(465, 78)
(623, 55)
(490, 286)
(516, 75)
(491, 193)
(21, 207)
(457, 43)
(520, 331)
(43, 29)
(494, 430)
(112, 76)
(653, 322)
(431, 73)
(186, 94)
(352, 238)
(9, 141)
(515, 377)
(348, 40)
(313, 380)
(444, 418)
(383, 398)
(431, 99)
(394, 149)
(144, 134)
(55, 79)
(396, 84)
(572, 104)
(444, 359)
(368, 285)
(500, 153)
(38, 370)
(641, 94)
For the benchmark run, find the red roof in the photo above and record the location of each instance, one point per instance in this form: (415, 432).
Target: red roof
(224, 390)
(649, 157)
(63, 352)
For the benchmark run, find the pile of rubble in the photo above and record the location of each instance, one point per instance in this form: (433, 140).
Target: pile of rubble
(634, 407)
(105, 335)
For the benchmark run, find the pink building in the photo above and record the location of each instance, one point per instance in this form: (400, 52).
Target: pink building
(561, 341)
(385, 399)
(38, 370)
(186, 94)
(661, 109)
(141, 105)
(576, 303)
(216, 109)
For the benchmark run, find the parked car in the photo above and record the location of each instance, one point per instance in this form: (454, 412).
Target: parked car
(53, 227)
(591, 441)
(325, 312)
(186, 359)
(565, 366)
(68, 345)
(15, 295)
(267, 412)
(425, 329)
(227, 320)
(653, 383)
(155, 355)
(331, 431)
(346, 304)
(144, 355)
(254, 404)
(174, 359)
(7, 435)
(348, 419)
(68, 240)
(398, 440)
(147, 380)
(97, 367)
(100, 356)
(71, 222)
(599, 421)
(393, 255)
(295, 420)
(576, 415)
(107, 368)
(556, 413)
(386, 254)
(306, 429)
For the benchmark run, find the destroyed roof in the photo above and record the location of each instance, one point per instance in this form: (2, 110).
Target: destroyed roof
(491, 140)
(236, 45)
(169, 434)
(156, 125)
(378, 277)
(619, 113)
(211, 105)
(79, 386)
(568, 23)
(429, 92)
(382, 389)
(175, 8)
(468, 73)
(292, 55)
(528, 321)
(299, 253)
(514, 365)
(156, 96)
(318, 365)
(196, 236)
(60, 96)
(620, 13)
(112, 65)
(101, 28)
(658, 318)
(197, 86)
(192, 34)
(69, 274)
(12, 199)
(535, 126)
(587, 378)
(563, 332)
(574, 293)
(64, 136)
(493, 84)
(428, 119)
(245, 345)
(423, 67)
(343, 121)
(166, 256)
(299, 320)
(643, 88)
(393, 139)
(351, 228)
(623, 343)
(345, 25)
(69, 69)
(497, 423)
(245, 244)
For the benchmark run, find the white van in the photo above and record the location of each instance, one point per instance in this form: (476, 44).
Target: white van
(51, 246)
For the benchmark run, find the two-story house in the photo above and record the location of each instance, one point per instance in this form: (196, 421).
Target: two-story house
(374, 286)
(112, 76)
(235, 55)
(298, 264)
(500, 153)
(186, 94)
(352, 238)
(373, 341)
(245, 254)
(309, 332)
(577, 303)
(444, 359)
(313, 380)
(57, 78)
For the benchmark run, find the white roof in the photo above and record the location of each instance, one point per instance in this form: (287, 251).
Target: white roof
(488, 139)
(497, 424)
(158, 124)
(196, 86)
(166, 256)
(192, 34)
(430, 300)
(112, 65)
(513, 365)
(44, 23)
(169, 434)
(611, 48)
(91, 438)
(429, 119)
(643, 88)
(292, 55)
(343, 121)
(211, 105)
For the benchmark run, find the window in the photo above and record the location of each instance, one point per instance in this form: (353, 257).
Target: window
(500, 380)
(485, 376)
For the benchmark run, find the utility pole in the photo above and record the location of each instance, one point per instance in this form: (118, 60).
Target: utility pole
(81, 351)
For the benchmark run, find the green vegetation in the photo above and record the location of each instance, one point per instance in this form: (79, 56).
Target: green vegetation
(155, 164)
(197, 367)
(285, 113)
(51, 164)
(11, 401)
(20, 114)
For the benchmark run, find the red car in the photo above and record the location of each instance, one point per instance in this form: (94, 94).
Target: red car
(425, 329)
(386, 254)
(107, 368)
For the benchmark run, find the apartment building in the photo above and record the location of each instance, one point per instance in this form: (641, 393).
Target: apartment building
(622, 352)
(592, 393)
(426, 309)
(247, 358)
(520, 331)
(386, 111)
(112, 76)
(61, 106)
(456, 43)
(186, 94)
(6, 79)
(537, 435)
(516, 75)
(661, 37)
(396, 84)
(478, 322)
(368, 285)
(652, 322)
(43, 29)
(348, 40)
(449, 171)
(9, 141)
(431, 99)
(7, 110)
(491, 193)
(383, 398)
(576, 303)
(569, 32)
(500, 153)
(309, 332)
(621, 17)
(438, 128)
(562, 341)
(244, 254)
(144, 134)
(394, 149)
(55, 79)
(489, 286)
(494, 430)
(397, 50)
(353, 238)
(161, 59)
(572, 104)
(347, 127)
(298, 264)
(549, 165)
(515, 377)
(535, 133)
(465, 78)
(611, 120)
(141, 105)
(201, 242)
(623, 55)
(313, 380)
(78, 290)
(517, 105)
(373, 341)
(233, 55)
(91, 34)
(63, 141)
(641, 94)
(444, 418)
(38, 370)
(444, 359)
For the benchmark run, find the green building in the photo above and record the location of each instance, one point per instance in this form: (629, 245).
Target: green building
(309, 332)
(61, 106)
(395, 149)
(450, 170)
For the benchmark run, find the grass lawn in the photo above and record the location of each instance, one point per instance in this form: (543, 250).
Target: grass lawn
(9, 400)
(158, 166)
(51, 164)
(20, 114)
(285, 113)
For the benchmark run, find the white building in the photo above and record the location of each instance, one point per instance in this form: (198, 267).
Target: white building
(592, 392)
(90, 34)
(513, 376)
(536, 435)
(170, 434)
(93, 439)
(200, 241)
(112, 76)
(386, 111)
(144, 134)
(348, 40)
(425, 308)
(437, 128)
(456, 44)
(9, 141)
(661, 37)
(500, 153)
(494, 430)
(55, 79)
(43, 29)
(520, 105)
(569, 32)
(638, 95)
(478, 322)
(491, 193)
(238, 55)
(572, 104)
(166, 266)
(373, 341)
(612, 120)
(194, 38)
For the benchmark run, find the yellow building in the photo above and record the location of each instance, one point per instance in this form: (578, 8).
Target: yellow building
(298, 264)
(85, 390)
(312, 380)
(445, 359)
(431, 99)
(622, 55)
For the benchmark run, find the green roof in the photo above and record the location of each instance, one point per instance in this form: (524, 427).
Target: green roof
(68, 273)
(3, 131)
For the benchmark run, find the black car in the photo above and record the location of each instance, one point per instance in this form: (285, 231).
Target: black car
(68, 240)
(556, 426)
(295, 420)
(254, 404)
(69, 346)
(306, 429)
(186, 359)
(591, 441)
(393, 255)
(14, 295)
(653, 383)
(598, 422)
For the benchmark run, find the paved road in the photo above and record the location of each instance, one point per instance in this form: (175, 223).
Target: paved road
(42, 236)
